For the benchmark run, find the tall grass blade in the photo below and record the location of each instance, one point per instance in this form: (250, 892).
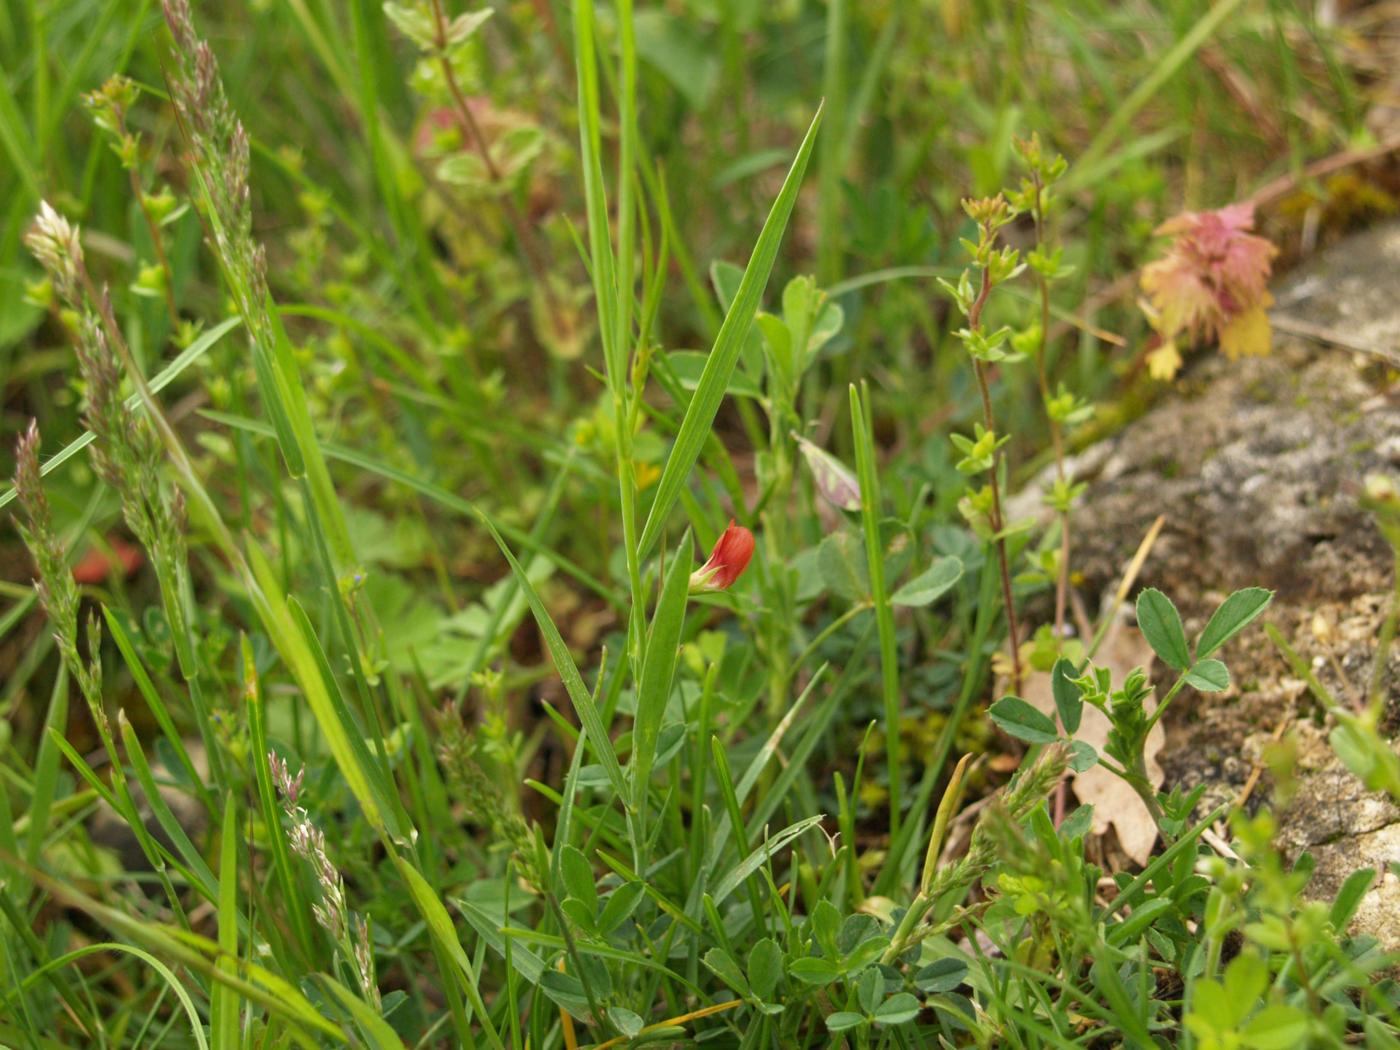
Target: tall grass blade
(714, 380)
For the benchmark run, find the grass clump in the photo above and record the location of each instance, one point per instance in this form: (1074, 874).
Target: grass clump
(413, 718)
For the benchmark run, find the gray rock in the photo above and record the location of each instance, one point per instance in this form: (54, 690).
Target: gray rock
(1257, 466)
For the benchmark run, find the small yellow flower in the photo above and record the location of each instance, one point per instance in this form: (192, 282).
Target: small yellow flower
(1164, 362)
(646, 474)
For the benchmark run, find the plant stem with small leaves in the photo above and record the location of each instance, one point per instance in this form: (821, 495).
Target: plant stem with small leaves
(974, 324)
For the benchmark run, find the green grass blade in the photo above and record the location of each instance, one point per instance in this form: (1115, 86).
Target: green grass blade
(205, 883)
(750, 864)
(884, 616)
(595, 200)
(254, 983)
(292, 644)
(444, 935)
(294, 902)
(153, 699)
(441, 496)
(15, 140)
(1165, 69)
(165, 973)
(379, 778)
(378, 1035)
(658, 670)
(223, 1006)
(714, 380)
(833, 151)
(162, 379)
(46, 767)
(588, 713)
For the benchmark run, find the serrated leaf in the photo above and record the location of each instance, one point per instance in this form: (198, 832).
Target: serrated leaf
(1017, 718)
(1234, 615)
(1160, 624)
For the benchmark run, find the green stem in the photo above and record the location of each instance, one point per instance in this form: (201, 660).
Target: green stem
(1056, 433)
(825, 633)
(974, 324)
(998, 524)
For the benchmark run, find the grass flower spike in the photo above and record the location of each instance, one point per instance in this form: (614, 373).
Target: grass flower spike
(1212, 283)
(727, 561)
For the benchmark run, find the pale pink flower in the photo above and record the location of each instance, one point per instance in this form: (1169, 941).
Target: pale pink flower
(1212, 283)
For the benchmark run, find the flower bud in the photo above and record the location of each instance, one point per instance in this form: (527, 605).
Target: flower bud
(727, 561)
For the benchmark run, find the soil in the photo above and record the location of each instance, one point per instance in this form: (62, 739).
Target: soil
(1257, 466)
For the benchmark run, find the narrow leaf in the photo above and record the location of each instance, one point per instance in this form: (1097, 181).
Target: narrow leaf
(700, 414)
(1348, 898)
(1069, 702)
(931, 584)
(658, 669)
(1234, 615)
(223, 1006)
(754, 860)
(444, 936)
(588, 713)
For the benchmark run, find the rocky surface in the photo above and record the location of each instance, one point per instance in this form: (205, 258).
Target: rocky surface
(1257, 466)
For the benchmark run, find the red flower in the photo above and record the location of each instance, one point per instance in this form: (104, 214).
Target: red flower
(727, 561)
(95, 566)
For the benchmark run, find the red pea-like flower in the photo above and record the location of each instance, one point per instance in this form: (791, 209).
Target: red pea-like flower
(727, 561)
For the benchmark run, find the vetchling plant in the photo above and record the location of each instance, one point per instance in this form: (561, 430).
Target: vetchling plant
(689, 804)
